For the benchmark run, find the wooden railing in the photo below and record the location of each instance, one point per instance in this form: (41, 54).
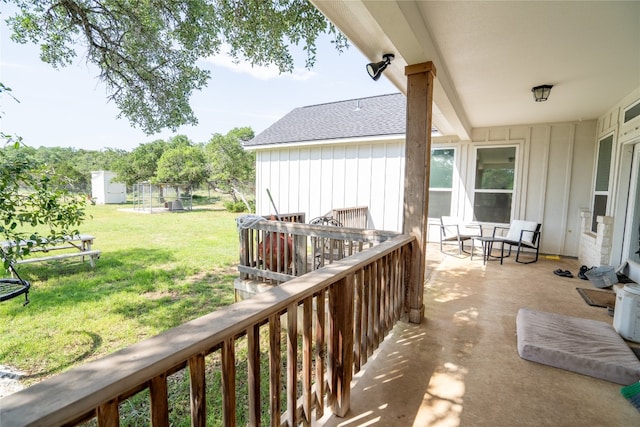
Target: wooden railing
(352, 217)
(304, 338)
(288, 217)
(275, 251)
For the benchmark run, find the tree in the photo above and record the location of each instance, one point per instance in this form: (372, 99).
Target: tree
(182, 164)
(32, 210)
(72, 167)
(87, 161)
(232, 167)
(141, 164)
(69, 173)
(147, 51)
(107, 158)
(28, 199)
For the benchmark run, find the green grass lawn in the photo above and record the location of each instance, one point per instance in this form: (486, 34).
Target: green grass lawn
(156, 271)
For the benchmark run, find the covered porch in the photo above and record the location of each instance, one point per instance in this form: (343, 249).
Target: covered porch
(350, 362)
(457, 363)
(460, 366)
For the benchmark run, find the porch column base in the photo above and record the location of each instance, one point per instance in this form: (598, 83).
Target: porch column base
(416, 314)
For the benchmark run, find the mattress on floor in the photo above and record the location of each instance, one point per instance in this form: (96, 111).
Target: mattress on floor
(588, 347)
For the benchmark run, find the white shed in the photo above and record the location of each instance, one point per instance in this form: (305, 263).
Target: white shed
(106, 191)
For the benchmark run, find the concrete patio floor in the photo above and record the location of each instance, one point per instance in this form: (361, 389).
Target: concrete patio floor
(460, 366)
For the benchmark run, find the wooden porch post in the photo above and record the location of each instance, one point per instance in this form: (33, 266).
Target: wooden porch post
(416, 179)
(340, 346)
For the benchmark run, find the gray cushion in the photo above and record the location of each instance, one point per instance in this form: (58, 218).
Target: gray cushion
(588, 347)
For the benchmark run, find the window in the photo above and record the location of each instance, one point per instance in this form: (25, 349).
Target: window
(495, 176)
(632, 112)
(441, 182)
(601, 193)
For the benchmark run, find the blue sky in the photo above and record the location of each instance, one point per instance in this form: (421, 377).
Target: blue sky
(69, 108)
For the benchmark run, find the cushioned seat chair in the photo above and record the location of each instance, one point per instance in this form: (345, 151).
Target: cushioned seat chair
(452, 229)
(521, 234)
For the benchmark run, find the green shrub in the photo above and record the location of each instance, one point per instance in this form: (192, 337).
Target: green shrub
(235, 206)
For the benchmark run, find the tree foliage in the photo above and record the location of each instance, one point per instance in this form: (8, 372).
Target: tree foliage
(33, 209)
(222, 163)
(72, 168)
(232, 167)
(141, 164)
(147, 51)
(182, 164)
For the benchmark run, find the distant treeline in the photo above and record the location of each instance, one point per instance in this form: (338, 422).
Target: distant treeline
(221, 164)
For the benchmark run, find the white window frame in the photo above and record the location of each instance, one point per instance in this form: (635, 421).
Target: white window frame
(516, 177)
(635, 115)
(607, 192)
(454, 179)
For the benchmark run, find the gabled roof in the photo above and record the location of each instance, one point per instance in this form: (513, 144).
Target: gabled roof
(355, 118)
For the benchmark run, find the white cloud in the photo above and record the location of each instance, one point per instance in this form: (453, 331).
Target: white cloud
(261, 73)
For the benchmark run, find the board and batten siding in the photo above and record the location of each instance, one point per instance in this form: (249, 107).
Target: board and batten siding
(554, 174)
(556, 164)
(553, 184)
(316, 179)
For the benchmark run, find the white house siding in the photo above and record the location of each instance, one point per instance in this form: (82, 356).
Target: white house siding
(317, 178)
(614, 244)
(553, 177)
(556, 164)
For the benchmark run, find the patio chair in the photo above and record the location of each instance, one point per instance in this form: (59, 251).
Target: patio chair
(325, 250)
(452, 229)
(523, 235)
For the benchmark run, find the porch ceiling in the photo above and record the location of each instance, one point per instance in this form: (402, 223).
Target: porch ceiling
(489, 55)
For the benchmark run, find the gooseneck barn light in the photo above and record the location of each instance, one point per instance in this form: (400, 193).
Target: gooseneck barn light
(541, 93)
(375, 69)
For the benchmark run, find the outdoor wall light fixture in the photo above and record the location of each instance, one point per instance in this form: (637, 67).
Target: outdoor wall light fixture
(375, 69)
(541, 93)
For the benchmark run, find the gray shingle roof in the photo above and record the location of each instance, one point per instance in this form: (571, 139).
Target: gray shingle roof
(373, 116)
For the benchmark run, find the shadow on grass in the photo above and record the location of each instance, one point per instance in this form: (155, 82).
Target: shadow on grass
(192, 298)
(57, 284)
(95, 343)
(129, 295)
(141, 284)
